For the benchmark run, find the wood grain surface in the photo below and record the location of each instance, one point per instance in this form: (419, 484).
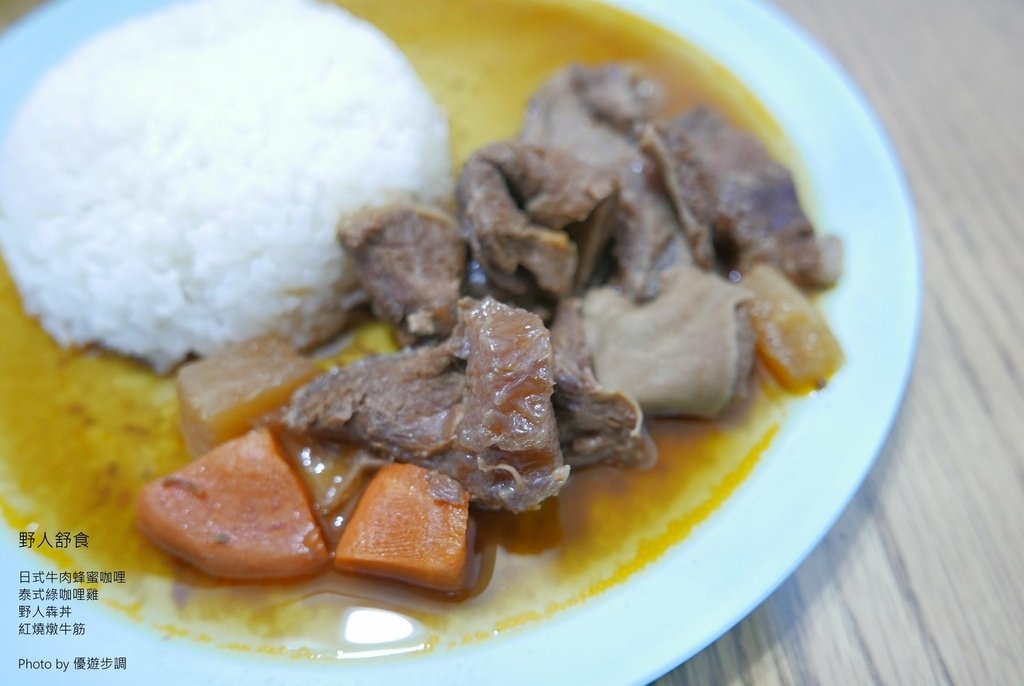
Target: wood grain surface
(922, 580)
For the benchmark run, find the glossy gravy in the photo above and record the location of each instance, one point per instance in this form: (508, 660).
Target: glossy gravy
(82, 431)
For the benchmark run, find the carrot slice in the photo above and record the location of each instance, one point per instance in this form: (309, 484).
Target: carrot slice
(410, 525)
(239, 511)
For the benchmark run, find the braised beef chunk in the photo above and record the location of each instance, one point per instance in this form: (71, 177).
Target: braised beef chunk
(727, 177)
(476, 407)
(687, 352)
(410, 262)
(595, 113)
(592, 111)
(617, 94)
(554, 188)
(592, 238)
(514, 202)
(648, 235)
(403, 406)
(595, 425)
(688, 185)
(506, 445)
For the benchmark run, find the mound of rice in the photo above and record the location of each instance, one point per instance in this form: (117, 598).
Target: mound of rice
(175, 184)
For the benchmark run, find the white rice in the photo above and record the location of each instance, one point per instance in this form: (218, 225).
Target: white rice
(175, 184)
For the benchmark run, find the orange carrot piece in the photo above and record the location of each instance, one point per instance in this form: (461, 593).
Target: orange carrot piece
(239, 512)
(410, 525)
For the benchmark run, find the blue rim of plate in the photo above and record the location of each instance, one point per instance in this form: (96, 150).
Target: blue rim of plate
(703, 586)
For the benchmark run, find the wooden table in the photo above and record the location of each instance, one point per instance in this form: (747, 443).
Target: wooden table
(922, 580)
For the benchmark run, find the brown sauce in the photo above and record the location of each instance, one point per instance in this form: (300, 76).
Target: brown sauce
(82, 431)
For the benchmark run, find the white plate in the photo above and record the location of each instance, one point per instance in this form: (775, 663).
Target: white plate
(661, 616)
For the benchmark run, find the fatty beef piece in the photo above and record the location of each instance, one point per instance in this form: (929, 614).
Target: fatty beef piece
(534, 216)
(595, 425)
(410, 261)
(476, 407)
(725, 181)
(687, 352)
(595, 114)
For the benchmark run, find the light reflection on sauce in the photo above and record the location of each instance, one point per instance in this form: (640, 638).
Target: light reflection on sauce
(82, 431)
(372, 632)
